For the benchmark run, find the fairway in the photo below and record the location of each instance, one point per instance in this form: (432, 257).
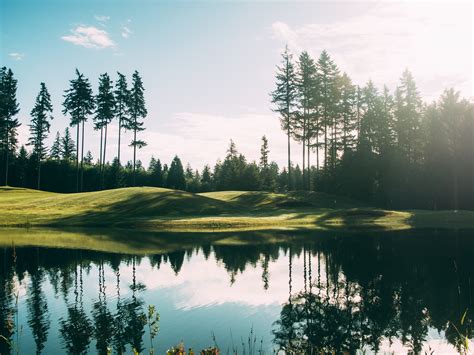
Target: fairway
(159, 209)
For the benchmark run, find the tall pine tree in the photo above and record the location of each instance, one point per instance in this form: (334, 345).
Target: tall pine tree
(39, 126)
(137, 111)
(68, 148)
(9, 108)
(122, 103)
(306, 83)
(104, 114)
(79, 104)
(284, 98)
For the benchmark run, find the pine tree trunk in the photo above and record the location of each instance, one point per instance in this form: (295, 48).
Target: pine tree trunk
(119, 135)
(82, 158)
(325, 140)
(304, 149)
(100, 150)
(103, 160)
(39, 171)
(6, 151)
(317, 144)
(309, 166)
(134, 152)
(289, 160)
(77, 159)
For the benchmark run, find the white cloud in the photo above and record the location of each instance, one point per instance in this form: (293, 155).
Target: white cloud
(16, 56)
(434, 40)
(89, 37)
(126, 32)
(102, 18)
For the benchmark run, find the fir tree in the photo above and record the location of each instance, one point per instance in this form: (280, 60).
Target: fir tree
(55, 151)
(327, 76)
(137, 111)
(176, 179)
(9, 108)
(104, 113)
(408, 107)
(39, 127)
(306, 84)
(284, 98)
(68, 147)
(79, 104)
(122, 103)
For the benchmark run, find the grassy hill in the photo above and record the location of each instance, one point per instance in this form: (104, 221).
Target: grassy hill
(147, 208)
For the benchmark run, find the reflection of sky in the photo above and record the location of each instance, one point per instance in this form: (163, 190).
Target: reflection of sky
(197, 302)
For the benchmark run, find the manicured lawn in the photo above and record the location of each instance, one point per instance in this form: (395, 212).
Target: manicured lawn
(158, 209)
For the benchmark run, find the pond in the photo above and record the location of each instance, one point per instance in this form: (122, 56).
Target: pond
(247, 293)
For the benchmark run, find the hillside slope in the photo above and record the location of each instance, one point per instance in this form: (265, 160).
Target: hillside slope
(158, 209)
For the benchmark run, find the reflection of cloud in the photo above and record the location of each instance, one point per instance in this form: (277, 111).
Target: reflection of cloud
(431, 39)
(202, 283)
(89, 37)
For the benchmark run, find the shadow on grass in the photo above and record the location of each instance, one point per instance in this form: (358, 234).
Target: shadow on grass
(347, 219)
(142, 206)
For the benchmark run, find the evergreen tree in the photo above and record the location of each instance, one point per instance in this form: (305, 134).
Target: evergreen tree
(122, 103)
(9, 108)
(408, 107)
(206, 179)
(284, 98)
(68, 148)
(384, 125)
(176, 179)
(21, 167)
(39, 127)
(266, 178)
(88, 159)
(348, 113)
(327, 79)
(104, 114)
(55, 151)
(156, 173)
(137, 111)
(264, 153)
(306, 83)
(79, 104)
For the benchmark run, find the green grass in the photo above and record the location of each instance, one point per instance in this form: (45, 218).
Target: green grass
(158, 209)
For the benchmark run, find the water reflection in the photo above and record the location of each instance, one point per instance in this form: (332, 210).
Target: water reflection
(321, 293)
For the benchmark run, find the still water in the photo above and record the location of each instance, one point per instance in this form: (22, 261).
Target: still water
(385, 292)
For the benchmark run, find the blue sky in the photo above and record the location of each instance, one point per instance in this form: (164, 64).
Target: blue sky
(208, 66)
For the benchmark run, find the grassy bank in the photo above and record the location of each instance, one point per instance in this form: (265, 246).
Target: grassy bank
(157, 209)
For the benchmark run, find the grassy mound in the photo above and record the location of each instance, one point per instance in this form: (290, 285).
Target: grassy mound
(158, 209)
(26, 207)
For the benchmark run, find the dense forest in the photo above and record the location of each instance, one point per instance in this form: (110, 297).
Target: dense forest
(390, 149)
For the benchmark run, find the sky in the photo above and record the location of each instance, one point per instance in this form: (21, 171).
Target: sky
(208, 66)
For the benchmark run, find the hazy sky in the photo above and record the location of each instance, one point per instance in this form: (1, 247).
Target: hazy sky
(208, 67)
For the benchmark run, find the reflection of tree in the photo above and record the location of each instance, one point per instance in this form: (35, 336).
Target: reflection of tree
(7, 310)
(119, 319)
(38, 317)
(360, 290)
(135, 316)
(176, 260)
(103, 319)
(76, 329)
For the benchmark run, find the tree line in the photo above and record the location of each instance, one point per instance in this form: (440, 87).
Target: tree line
(388, 148)
(125, 105)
